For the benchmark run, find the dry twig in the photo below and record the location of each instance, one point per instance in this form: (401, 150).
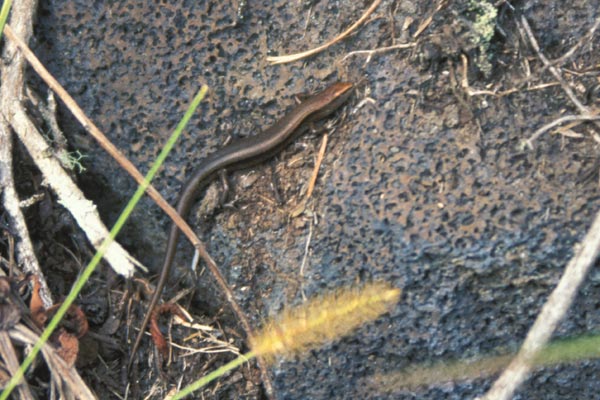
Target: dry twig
(12, 76)
(476, 92)
(372, 52)
(7, 351)
(585, 39)
(553, 70)
(428, 20)
(340, 37)
(557, 122)
(585, 111)
(299, 209)
(83, 210)
(10, 200)
(551, 314)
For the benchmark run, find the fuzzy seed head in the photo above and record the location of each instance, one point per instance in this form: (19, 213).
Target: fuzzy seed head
(323, 319)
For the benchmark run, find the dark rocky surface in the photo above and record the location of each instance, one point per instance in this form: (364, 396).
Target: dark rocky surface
(424, 186)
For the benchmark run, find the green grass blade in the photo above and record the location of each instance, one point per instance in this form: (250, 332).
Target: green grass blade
(206, 379)
(89, 269)
(4, 14)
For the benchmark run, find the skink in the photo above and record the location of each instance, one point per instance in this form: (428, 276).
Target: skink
(241, 154)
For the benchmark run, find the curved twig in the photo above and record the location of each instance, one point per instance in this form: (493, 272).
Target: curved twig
(341, 36)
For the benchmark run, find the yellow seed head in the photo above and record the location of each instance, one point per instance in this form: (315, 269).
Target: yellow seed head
(323, 319)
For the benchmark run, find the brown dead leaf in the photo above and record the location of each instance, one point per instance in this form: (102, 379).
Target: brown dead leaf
(68, 346)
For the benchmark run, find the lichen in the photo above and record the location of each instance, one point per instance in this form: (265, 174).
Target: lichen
(484, 22)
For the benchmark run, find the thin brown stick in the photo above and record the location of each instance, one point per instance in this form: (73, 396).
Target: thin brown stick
(562, 59)
(472, 92)
(340, 37)
(315, 173)
(565, 86)
(585, 39)
(313, 179)
(557, 122)
(428, 20)
(503, 93)
(582, 108)
(552, 313)
(139, 178)
(372, 52)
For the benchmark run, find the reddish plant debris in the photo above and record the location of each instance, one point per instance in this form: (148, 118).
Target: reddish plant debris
(36, 305)
(75, 321)
(68, 345)
(157, 336)
(74, 318)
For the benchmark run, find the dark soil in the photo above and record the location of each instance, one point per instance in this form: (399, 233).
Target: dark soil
(427, 186)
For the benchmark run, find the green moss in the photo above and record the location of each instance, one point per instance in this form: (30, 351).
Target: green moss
(484, 22)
